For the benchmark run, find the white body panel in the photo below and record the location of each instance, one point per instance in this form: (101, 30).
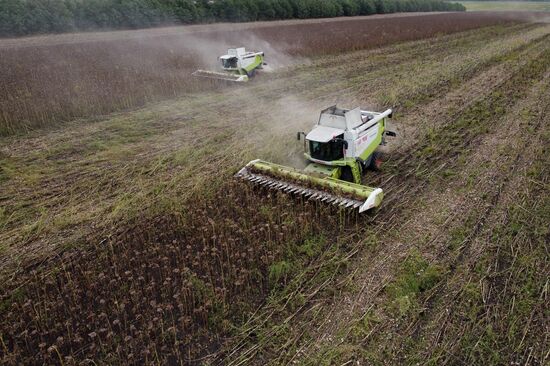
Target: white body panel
(363, 140)
(238, 52)
(242, 57)
(359, 127)
(323, 134)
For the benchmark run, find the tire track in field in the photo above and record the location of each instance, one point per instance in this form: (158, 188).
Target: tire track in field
(386, 216)
(437, 115)
(436, 249)
(489, 83)
(507, 179)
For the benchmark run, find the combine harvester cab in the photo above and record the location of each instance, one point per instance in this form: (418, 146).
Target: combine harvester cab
(238, 65)
(339, 148)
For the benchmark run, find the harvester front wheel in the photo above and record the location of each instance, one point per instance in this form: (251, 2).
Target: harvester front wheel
(347, 174)
(375, 161)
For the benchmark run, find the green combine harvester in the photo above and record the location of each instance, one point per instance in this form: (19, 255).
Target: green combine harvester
(340, 147)
(238, 65)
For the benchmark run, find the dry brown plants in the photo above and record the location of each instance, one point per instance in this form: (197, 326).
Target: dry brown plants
(161, 291)
(43, 85)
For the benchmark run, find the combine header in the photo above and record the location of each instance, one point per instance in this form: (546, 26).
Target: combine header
(340, 147)
(238, 65)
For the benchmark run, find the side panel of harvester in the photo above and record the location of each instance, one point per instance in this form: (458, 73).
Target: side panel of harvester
(252, 62)
(370, 135)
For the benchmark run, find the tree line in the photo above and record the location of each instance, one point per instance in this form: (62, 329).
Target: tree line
(23, 17)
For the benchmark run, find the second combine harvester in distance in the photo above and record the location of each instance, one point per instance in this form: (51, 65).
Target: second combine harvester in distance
(237, 65)
(339, 148)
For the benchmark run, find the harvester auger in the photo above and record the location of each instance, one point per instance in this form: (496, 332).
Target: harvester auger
(340, 146)
(238, 65)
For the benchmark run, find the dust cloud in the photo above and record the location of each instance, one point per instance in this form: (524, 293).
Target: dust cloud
(267, 125)
(271, 121)
(206, 49)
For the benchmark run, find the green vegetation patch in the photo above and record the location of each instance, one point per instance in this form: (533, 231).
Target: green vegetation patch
(416, 275)
(506, 5)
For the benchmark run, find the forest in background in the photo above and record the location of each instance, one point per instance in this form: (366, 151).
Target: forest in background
(25, 17)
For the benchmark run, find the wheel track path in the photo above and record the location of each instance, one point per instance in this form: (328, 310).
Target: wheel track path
(467, 255)
(376, 281)
(388, 214)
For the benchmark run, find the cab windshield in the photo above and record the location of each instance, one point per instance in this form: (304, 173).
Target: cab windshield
(327, 151)
(229, 63)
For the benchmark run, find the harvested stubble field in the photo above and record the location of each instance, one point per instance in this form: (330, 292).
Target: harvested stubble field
(124, 238)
